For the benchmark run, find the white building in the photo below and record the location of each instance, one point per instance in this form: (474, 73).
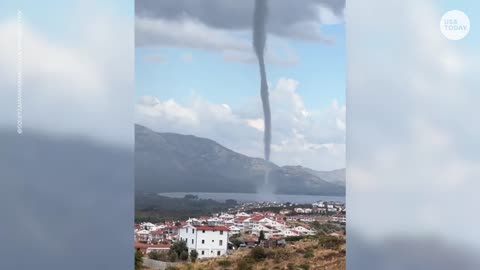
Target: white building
(143, 236)
(303, 230)
(148, 226)
(242, 214)
(208, 241)
(215, 221)
(234, 230)
(339, 219)
(193, 221)
(299, 210)
(226, 216)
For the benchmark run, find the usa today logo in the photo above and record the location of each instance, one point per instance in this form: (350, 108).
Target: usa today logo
(455, 25)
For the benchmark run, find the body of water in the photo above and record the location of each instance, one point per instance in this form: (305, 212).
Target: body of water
(255, 197)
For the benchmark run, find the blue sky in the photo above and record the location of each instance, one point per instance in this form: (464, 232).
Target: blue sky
(320, 72)
(198, 75)
(55, 19)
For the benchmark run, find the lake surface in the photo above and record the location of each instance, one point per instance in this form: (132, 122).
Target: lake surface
(255, 197)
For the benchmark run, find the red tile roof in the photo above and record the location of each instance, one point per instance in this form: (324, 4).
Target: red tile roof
(145, 246)
(240, 219)
(159, 246)
(140, 245)
(211, 228)
(257, 218)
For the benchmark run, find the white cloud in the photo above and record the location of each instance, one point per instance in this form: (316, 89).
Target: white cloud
(256, 123)
(75, 86)
(187, 57)
(327, 16)
(300, 136)
(234, 46)
(185, 33)
(411, 95)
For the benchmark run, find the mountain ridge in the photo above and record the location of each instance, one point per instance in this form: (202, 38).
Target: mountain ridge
(172, 162)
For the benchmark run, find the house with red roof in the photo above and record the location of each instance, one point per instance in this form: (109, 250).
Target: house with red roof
(146, 248)
(208, 241)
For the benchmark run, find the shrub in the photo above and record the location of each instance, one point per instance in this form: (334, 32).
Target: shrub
(281, 254)
(193, 255)
(180, 250)
(138, 260)
(330, 242)
(236, 242)
(290, 266)
(300, 251)
(184, 255)
(157, 255)
(309, 254)
(244, 265)
(294, 238)
(326, 228)
(258, 253)
(173, 257)
(304, 266)
(224, 263)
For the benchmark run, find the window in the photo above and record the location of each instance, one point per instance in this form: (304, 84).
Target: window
(203, 252)
(213, 241)
(203, 241)
(203, 231)
(221, 243)
(193, 230)
(186, 240)
(192, 241)
(186, 229)
(221, 232)
(218, 253)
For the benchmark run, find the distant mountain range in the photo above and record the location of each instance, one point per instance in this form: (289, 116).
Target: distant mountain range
(170, 162)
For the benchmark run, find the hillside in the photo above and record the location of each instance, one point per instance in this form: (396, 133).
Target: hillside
(169, 162)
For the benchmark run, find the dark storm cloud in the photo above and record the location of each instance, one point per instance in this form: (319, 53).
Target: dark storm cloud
(295, 19)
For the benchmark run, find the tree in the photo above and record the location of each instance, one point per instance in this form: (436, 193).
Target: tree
(158, 255)
(173, 257)
(180, 250)
(236, 242)
(261, 237)
(193, 255)
(138, 260)
(191, 197)
(231, 202)
(154, 255)
(184, 255)
(330, 242)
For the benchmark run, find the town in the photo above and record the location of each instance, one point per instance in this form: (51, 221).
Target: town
(264, 224)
